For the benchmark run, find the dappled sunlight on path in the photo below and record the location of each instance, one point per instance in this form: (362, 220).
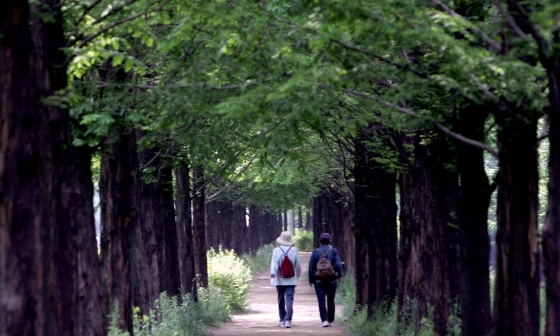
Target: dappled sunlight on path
(263, 316)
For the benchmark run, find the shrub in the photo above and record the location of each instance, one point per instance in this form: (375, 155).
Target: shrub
(260, 260)
(229, 273)
(346, 292)
(384, 320)
(173, 317)
(304, 240)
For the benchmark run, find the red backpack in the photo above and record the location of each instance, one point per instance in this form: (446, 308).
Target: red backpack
(286, 267)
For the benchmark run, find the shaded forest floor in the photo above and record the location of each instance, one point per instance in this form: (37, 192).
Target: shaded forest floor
(262, 318)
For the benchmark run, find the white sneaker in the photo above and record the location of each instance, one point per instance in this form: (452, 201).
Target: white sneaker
(281, 324)
(288, 324)
(325, 324)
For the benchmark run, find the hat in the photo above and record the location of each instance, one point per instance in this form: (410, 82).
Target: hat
(325, 236)
(286, 238)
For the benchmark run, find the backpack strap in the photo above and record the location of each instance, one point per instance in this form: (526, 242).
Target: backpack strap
(324, 255)
(285, 253)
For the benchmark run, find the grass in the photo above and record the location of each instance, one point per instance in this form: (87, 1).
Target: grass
(227, 293)
(171, 317)
(231, 276)
(384, 320)
(259, 260)
(304, 240)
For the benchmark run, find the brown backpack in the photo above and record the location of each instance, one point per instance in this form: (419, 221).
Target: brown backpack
(324, 267)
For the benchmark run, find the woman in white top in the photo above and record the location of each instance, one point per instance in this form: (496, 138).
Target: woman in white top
(285, 287)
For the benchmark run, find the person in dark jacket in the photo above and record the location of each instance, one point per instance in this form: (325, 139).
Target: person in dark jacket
(325, 287)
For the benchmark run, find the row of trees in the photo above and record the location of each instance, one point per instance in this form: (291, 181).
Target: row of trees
(349, 108)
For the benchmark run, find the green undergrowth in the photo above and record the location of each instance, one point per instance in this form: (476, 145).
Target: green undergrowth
(231, 276)
(384, 320)
(304, 240)
(229, 281)
(171, 317)
(259, 260)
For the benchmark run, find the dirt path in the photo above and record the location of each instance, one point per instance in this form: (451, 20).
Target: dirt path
(263, 316)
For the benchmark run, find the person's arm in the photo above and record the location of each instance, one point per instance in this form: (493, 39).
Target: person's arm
(337, 264)
(297, 262)
(311, 269)
(273, 266)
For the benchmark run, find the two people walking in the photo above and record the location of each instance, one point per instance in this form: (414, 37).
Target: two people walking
(325, 287)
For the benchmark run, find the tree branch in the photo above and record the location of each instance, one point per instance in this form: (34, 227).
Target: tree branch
(484, 88)
(495, 45)
(415, 115)
(86, 11)
(131, 18)
(211, 197)
(112, 12)
(522, 19)
(511, 22)
(383, 59)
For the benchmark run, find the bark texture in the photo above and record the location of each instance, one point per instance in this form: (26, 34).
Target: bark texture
(474, 200)
(92, 312)
(38, 243)
(185, 230)
(429, 250)
(199, 227)
(119, 223)
(376, 225)
(516, 308)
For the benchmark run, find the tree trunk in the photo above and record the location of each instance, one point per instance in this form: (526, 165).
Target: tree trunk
(474, 201)
(429, 238)
(409, 271)
(212, 224)
(92, 312)
(158, 220)
(299, 223)
(119, 222)
(255, 236)
(317, 219)
(376, 214)
(348, 247)
(238, 232)
(170, 278)
(551, 232)
(38, 243)
(146, 268)
(185, 230)
(199, 227)
(516, 308)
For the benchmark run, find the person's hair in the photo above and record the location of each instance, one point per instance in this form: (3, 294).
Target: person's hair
(324, 241)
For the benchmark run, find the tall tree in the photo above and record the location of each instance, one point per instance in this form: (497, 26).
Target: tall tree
(92, 312)
(119, 225)
(429, 244)
(375, 223)
(474, 200)
(38, 243)
(185, 230)
(516, 309)
(525, 24)
(199, 226)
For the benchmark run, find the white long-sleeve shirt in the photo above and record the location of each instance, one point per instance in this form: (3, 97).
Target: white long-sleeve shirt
(276, 260)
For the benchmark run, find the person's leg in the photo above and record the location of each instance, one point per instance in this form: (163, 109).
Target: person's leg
(290, 291)
(321, 300)
(330, 300)
(281, 290)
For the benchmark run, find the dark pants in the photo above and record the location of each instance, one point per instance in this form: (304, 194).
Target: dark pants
(328, 289)
(285, 302)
